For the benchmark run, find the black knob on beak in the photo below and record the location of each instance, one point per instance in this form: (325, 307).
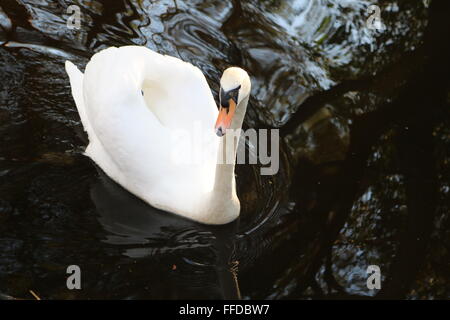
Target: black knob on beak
(220, 132)
(225, 104)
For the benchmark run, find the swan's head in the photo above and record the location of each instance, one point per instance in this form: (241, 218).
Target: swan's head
(235, 88)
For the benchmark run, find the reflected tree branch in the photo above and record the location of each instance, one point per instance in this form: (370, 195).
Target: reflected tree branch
(425, 89)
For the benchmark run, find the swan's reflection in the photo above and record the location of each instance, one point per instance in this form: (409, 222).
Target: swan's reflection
(146, 231)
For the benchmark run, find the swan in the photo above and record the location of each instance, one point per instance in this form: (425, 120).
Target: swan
(154, 128)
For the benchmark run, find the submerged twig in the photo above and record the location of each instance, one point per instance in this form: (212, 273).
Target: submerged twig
(34, 295)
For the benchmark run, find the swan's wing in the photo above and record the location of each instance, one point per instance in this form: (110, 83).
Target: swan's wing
(94, 149)
(131, 135)
(175, 91)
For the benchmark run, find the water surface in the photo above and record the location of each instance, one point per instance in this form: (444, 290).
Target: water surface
(363, 176)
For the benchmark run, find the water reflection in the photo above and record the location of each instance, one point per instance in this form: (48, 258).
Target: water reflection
(147, 232)
(364, 163)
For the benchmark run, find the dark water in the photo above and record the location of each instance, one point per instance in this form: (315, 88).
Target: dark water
(363, 180)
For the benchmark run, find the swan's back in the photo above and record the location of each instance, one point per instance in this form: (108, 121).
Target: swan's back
(131, 135)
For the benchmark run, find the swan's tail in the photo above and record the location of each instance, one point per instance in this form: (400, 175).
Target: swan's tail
(76, 83)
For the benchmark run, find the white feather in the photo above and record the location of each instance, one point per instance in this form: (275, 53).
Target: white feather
(131, 136)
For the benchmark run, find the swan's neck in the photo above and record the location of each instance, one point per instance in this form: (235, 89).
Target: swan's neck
(224, 185)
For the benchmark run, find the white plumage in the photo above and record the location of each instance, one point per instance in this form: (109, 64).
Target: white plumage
(159, 145)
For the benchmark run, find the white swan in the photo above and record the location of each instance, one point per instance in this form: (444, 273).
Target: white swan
(133, 101)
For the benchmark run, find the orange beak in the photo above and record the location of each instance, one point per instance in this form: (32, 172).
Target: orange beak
(225, 117)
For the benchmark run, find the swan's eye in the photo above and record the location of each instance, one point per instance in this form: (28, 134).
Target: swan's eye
(234, 94)
(225, 96)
